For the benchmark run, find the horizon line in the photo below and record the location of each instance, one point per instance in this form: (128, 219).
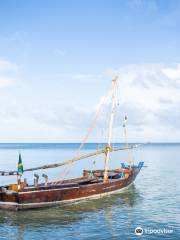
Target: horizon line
(87, 142)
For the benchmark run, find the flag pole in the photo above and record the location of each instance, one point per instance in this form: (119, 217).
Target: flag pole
(19, 172)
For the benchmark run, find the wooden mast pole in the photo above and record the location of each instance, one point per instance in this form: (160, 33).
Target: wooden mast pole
(108, 146)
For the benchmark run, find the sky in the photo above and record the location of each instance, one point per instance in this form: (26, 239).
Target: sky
(57, 60)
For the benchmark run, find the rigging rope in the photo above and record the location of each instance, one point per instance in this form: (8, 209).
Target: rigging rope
(92, 126)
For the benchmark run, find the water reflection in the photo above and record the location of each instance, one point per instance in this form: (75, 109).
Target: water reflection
(69, 214)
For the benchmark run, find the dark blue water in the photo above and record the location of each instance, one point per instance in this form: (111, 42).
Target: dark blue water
(153, 202)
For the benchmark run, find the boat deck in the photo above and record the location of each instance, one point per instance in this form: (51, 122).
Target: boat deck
(90, 185)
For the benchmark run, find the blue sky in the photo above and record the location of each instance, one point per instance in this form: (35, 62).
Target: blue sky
(57, 59)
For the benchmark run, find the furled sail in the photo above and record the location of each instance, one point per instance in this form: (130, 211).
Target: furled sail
(70, 161)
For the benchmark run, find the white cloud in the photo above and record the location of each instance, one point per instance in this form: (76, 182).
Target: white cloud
(8, 72)
(145, 85)
(149, 95)
(173, 72)
(7, 66)
(6, 82)
(60, 52)
(87, 77)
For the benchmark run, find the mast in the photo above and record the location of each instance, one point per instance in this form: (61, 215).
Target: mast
(130, 159)
(108, 146)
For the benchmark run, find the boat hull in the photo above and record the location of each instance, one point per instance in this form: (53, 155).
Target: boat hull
(55, 196)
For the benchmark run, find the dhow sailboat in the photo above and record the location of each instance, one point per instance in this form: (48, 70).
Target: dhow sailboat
(92, 183)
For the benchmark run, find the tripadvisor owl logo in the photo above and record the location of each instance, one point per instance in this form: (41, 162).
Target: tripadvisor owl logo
(139, 231)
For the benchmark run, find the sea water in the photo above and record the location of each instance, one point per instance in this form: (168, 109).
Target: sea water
(151, 203)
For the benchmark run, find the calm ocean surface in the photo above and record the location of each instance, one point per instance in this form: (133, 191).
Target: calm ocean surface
(153, 202)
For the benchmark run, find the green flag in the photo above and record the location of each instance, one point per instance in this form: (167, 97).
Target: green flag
(20, 165)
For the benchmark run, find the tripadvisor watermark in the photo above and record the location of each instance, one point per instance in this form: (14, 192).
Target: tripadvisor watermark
(161, 231)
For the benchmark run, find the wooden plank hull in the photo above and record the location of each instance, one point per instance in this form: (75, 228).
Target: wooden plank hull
(37, 198)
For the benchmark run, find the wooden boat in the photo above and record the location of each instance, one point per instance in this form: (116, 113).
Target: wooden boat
(92, 184)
